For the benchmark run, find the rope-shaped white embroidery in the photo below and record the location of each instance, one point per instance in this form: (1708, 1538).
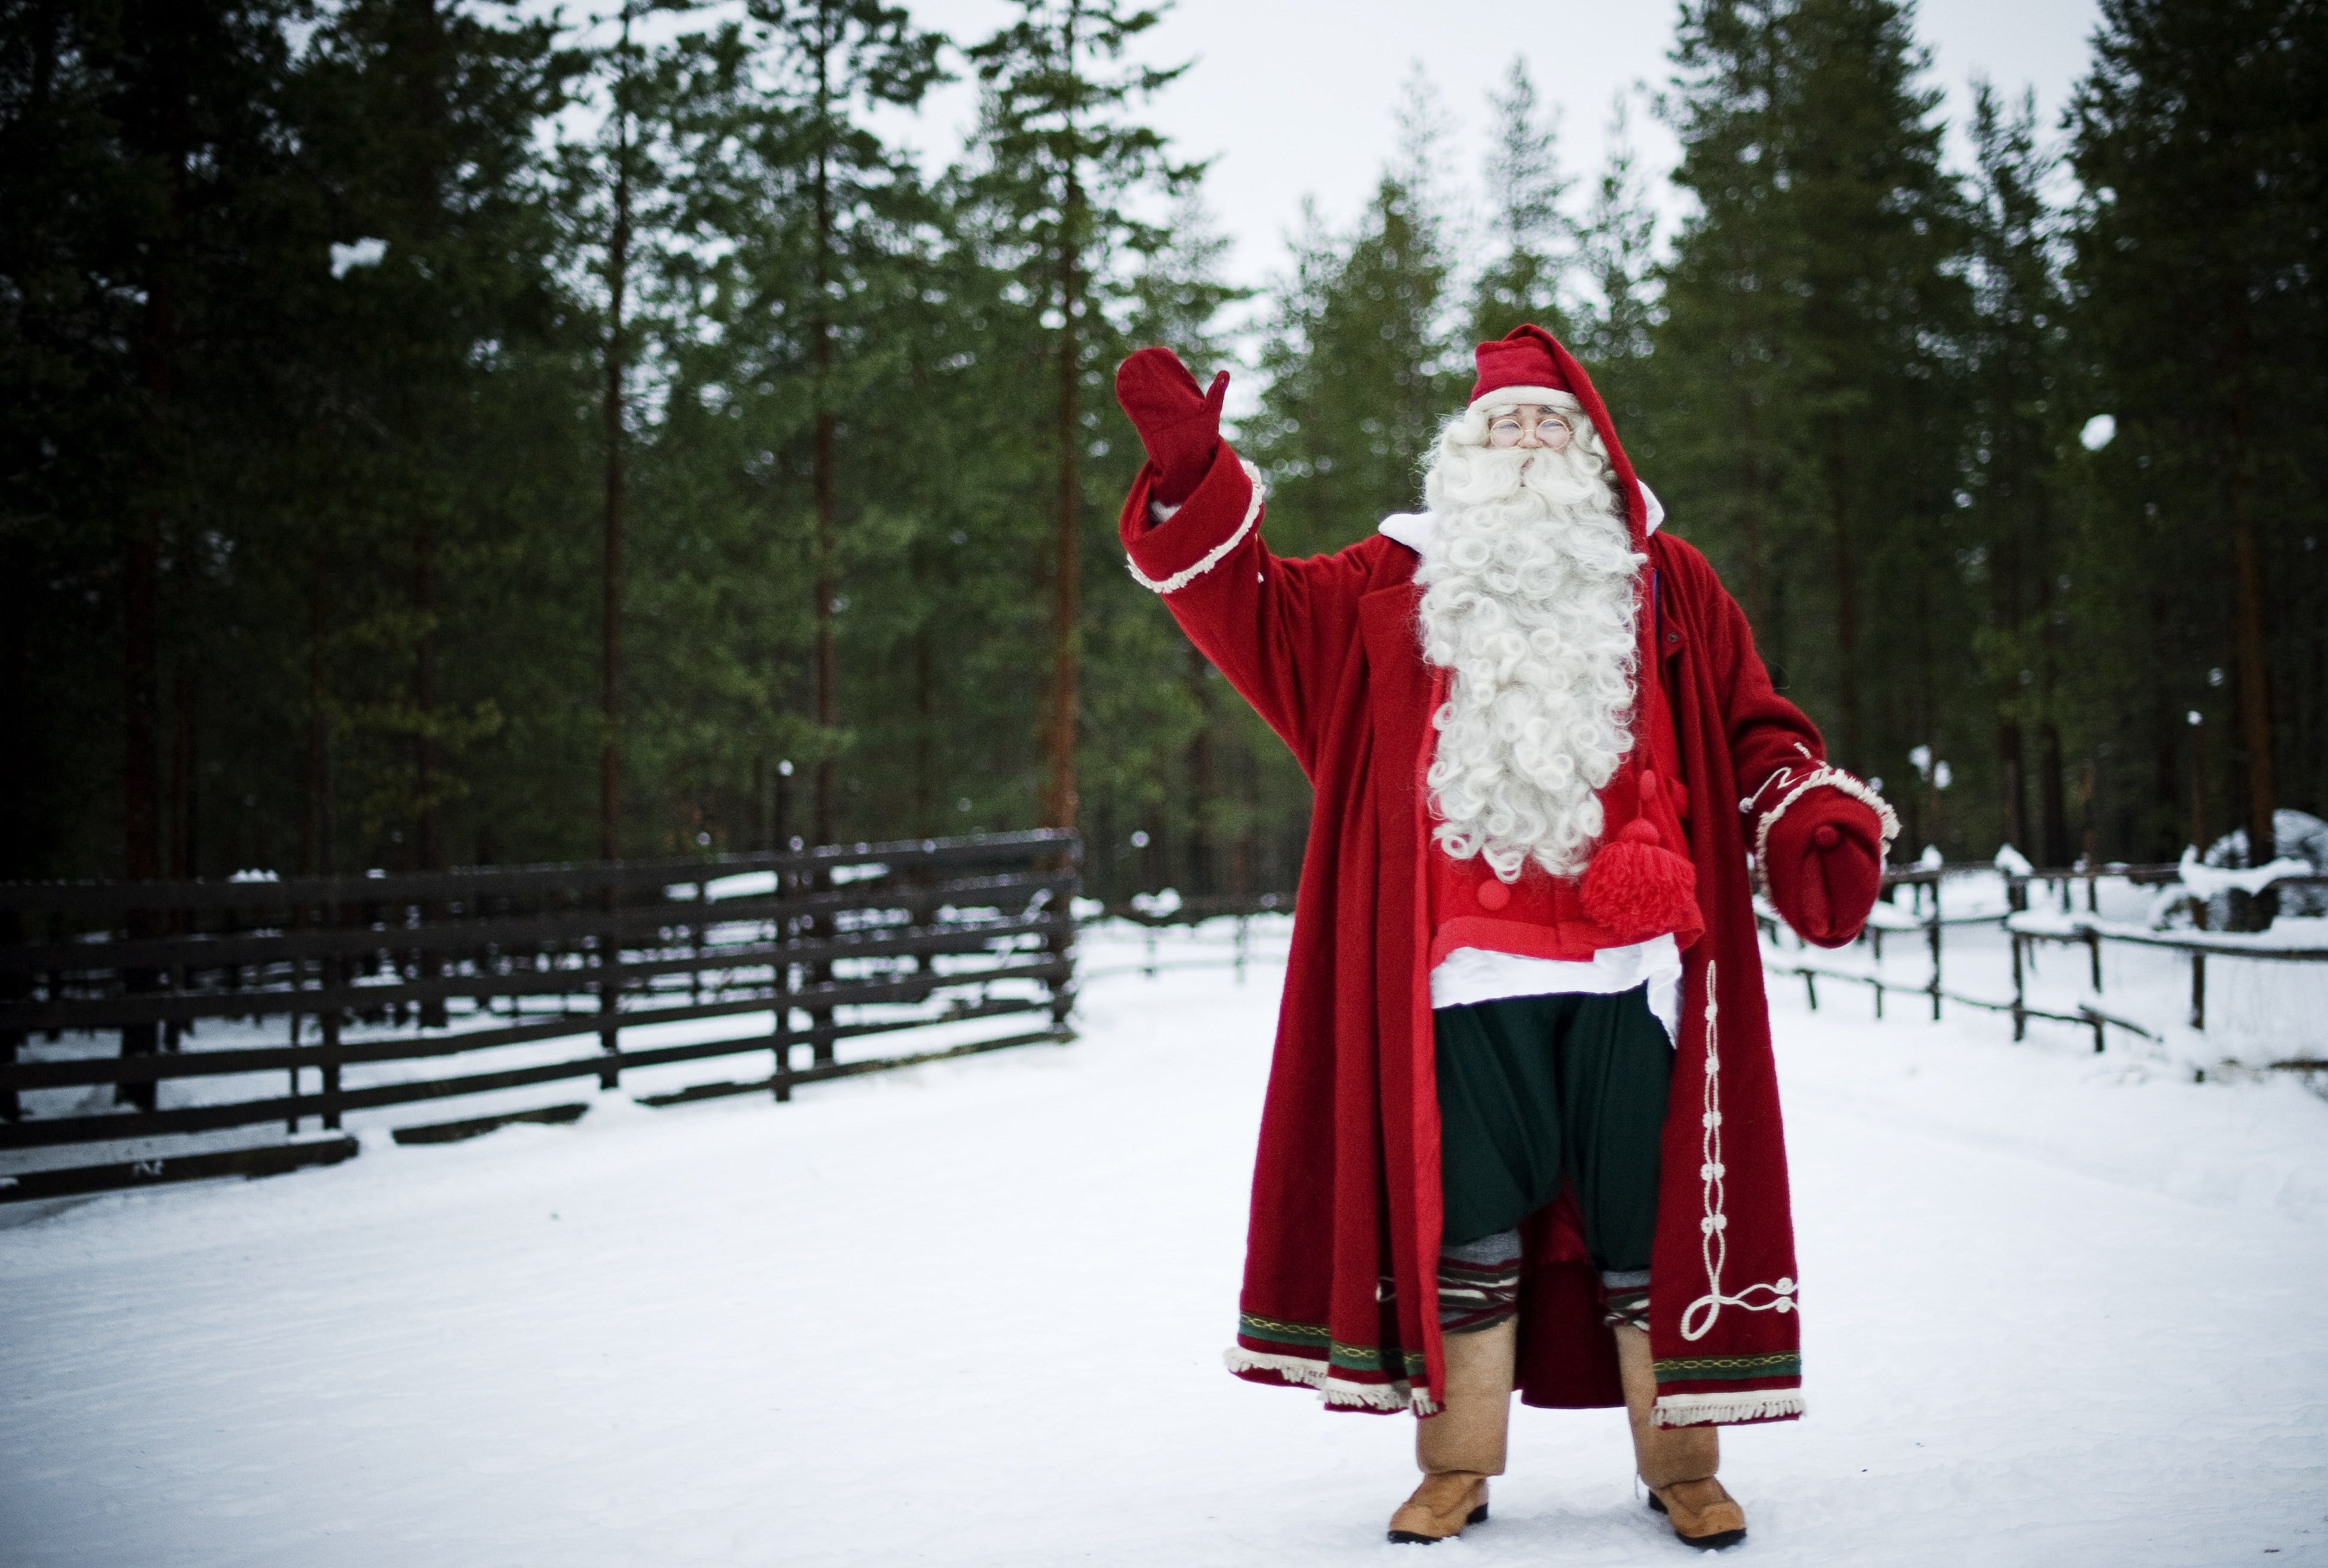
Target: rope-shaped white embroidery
(1698, 1318)
(1886, 818)
(1213, 558)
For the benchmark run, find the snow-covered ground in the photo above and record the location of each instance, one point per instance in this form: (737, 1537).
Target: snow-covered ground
(2061, 1310)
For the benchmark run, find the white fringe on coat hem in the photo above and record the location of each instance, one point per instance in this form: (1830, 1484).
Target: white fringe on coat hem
(1317, 1375)
(1711, 1409)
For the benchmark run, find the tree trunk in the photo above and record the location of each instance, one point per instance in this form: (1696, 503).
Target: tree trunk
(141, 570)
(2254, 684)
(926, 807)
(2010, 770)
(429, 844)
(618, 256)
(1845, 564)
(315, 858)
(1200, 872)
(1065, 609)
(827, 530)
(184, 787)
(2254, 662)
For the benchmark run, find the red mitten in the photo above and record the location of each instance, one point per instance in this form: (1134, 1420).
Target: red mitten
(1179, 425)
(1824, 862)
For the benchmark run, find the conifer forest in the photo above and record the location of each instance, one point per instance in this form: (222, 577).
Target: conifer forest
(436, 433)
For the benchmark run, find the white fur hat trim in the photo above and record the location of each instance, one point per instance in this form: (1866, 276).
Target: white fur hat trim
(1564, 401)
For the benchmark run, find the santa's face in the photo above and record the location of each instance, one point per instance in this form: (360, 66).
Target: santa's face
(1528, 585)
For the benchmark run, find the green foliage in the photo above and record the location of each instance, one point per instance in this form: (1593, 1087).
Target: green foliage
(1531, 241)
(1806, 424)
(309, 559)
(2198, 308)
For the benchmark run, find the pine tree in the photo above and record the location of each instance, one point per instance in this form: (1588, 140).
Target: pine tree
(1064, 164)
(1616, 260)
(1531, 241)
(2197, 140)
(2018, 391)
(1806, 360)
(1361, 362)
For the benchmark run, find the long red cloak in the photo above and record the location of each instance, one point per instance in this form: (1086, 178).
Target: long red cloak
(1341, 1281)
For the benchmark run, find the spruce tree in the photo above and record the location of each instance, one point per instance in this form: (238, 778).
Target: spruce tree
(1064, 164)
(1530, 242)
(1806, 361)
(2197, 138)
(1616, 264)
(1362, 361)
(2018, 391)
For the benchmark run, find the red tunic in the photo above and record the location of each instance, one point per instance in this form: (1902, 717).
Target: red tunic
(1541, 916)
(1340, 1281)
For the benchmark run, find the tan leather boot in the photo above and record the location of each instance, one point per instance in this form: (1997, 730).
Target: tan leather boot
(1676, 1462)
(1461, 1446)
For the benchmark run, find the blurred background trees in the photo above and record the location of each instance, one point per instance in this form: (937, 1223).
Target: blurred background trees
(430, 437)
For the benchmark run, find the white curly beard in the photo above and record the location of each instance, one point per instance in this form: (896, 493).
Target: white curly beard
(1528, 596)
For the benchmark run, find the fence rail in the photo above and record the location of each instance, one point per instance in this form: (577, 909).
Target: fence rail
(838, 942)
(2024, 926)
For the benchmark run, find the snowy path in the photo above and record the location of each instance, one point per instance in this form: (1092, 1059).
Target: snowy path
(2062, 1310)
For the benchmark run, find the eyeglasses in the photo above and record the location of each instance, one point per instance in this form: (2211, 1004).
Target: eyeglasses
(1549, 426)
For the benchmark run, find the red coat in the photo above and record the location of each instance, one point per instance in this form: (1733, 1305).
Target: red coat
(1340, 1284)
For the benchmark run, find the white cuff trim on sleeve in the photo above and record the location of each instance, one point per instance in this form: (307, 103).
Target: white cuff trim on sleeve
(1213, 557)
(1798, 787)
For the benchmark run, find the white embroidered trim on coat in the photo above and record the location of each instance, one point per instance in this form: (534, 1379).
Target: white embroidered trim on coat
(1312, 1373)
(1707, 1409)
(1795, 787)
(1213, 557)
(1698, 1320)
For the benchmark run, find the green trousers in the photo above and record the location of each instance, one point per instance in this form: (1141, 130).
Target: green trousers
(1539, 1091)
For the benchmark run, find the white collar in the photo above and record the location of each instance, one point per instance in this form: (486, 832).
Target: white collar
(1414, 529)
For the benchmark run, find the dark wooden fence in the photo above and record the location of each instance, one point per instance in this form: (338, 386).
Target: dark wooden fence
(2023, 893)
(125, 986)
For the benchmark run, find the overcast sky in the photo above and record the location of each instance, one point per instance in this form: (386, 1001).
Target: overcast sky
(1295, 98)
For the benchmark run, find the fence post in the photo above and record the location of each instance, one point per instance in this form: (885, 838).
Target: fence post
(610, 988)
(695, 941)
(2198, 990)
(1810, 985)
(1243, 923)
(1934, 928)
(780, 931)
(2020, 1000)
(327, 1022)
(2094, 955)
(299, 983)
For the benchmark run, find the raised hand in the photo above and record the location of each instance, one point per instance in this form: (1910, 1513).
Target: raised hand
(1179, 425)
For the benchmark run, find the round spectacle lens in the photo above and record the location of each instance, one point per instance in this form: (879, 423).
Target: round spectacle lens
(1508, 431)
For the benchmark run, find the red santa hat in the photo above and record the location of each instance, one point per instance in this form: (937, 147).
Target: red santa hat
(1531, 366)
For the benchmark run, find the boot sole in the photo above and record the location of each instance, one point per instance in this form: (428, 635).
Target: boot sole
(1714, 1542)
(1477, 1515)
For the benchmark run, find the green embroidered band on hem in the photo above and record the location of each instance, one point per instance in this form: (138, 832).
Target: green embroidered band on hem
(1277, 1332)
(1314, 1337)
(1728, 1368)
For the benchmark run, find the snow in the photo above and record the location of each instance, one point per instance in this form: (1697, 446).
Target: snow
(2061, 1309)
(2202, 881)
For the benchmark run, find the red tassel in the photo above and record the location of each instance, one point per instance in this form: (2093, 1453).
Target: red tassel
(1638, 889)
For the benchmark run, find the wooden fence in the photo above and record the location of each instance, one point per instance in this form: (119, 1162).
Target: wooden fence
(2027, 894)
(836, 943)
(2024, 926)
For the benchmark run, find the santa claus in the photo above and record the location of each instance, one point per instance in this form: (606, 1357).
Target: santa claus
(1522, 1125)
